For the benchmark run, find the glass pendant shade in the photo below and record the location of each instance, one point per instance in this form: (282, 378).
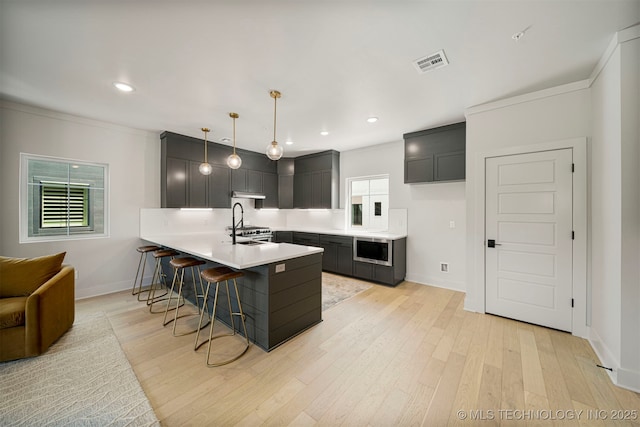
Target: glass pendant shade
(234, 161)
(274, 151)
(205, 168)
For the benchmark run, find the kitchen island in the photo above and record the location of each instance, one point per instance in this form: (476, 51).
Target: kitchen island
(281, 291)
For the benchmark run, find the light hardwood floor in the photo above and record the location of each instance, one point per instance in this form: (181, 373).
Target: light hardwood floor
(408, 355)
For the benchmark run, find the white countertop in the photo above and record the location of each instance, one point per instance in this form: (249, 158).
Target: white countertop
(342, 232)
(217, 247)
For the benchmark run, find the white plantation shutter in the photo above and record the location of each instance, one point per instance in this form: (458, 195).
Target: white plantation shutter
(64, 205)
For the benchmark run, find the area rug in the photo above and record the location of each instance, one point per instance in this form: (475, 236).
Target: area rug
(84, 379)
(336, 289)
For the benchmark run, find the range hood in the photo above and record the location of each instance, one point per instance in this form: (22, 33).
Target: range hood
(247, 195)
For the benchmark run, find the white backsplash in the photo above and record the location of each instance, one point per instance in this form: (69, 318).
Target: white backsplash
(182, 221)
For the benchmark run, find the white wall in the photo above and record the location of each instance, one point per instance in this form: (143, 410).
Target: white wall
(606, 213)
(616, 209)
(539, 118)
(430, 209)
(104, 265)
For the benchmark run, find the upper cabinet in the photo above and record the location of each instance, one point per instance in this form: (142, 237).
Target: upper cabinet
(435, 155)
(182, 184)
(310, 181)
(316, 182)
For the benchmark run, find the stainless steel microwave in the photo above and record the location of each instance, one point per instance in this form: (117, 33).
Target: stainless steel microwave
(373, 250)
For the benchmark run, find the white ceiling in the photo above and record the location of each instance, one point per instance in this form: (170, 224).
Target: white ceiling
(335, 62)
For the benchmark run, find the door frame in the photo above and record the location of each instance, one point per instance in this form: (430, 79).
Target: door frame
(581, 288)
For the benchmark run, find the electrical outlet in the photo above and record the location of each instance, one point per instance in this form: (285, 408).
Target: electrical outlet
(280, 268)
(444, 267)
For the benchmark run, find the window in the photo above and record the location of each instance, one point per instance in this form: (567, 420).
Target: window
(62, 199)
(368, 203)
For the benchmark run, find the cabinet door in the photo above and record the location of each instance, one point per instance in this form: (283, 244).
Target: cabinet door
(302, 190)
(254, 181)
(362, 270)
(284, 237)
(238, 180)
(270, 190)
(197, 187)
(219, 187)
(329, 256)
(285, 191)
(420, 170)
(449, 166)
(326, 190)
(345, 260)
(383, 274)
(316, 190)
(177, 172)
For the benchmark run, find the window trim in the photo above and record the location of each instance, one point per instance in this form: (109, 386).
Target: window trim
(33, 213)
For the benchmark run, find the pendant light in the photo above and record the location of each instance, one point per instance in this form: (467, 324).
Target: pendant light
(274, 151)
(234, 161)
(205, 168)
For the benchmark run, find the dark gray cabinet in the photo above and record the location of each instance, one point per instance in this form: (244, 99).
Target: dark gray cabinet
(338, 254)
(283, 237)
(286, 168)
(270, 190)
(338, 257)
(246, 180)
(175, 183)
(306, 239)
(316, 182)
(182, 184)
(435, 155)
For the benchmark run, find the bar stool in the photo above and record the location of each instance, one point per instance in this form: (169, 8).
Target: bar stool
(144, 252)
(217, 275)
(179, 265)
(158, 273)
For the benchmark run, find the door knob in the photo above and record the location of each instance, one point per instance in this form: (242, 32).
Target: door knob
(491, 243)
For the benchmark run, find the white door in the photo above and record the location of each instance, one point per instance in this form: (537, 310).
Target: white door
(529, 202)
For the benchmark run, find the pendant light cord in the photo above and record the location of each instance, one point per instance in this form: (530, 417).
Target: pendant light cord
(275, 107)
(234, 136)
(206, 158)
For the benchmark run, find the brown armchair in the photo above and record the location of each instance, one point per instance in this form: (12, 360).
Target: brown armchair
(36, 304)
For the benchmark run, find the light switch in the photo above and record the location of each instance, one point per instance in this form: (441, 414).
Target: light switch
(452, 224)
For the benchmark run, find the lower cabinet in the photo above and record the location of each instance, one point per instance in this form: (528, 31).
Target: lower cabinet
(283, 237)
(338, 256)
(306, 239)
(377, 273)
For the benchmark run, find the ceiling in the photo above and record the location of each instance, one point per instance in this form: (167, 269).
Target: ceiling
(336, 63)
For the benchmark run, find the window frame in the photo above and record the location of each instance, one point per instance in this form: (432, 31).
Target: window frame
(349, 212)
(31, 205)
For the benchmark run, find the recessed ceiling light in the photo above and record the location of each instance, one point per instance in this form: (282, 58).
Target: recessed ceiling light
(289, 142)
(324, 133)
(123, 87)
(372, 119)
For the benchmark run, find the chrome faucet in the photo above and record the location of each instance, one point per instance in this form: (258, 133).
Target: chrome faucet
(234, 226)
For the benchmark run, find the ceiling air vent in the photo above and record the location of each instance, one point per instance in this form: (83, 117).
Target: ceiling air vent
(431, 62)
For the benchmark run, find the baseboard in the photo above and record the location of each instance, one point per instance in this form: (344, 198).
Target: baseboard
(451, 285)
(629, 379)
(621, 377)
(107, 288)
